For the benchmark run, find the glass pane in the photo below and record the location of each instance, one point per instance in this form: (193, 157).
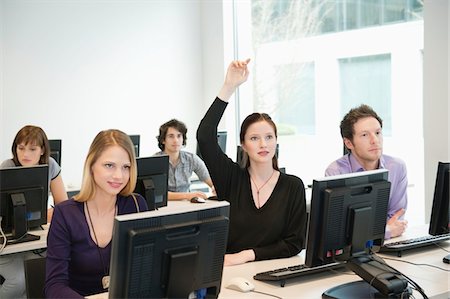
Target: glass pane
(367, 80)
(370, 13)
(294, 110)
(350, 15)
(287, 20)
(394, 11)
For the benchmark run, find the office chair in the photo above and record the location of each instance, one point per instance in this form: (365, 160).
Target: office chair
(35, 277)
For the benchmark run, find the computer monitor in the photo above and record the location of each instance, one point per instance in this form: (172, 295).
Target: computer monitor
(23, 200)
(153, 179)
(221, 140)
(136, 139)
(440, 212)
(347, 223)
(55, 150)
(169, 253)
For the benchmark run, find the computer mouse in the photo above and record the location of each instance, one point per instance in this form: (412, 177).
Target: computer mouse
(240, 284)
(197, 200)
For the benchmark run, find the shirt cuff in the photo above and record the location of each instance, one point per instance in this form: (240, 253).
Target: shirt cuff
(387, 233)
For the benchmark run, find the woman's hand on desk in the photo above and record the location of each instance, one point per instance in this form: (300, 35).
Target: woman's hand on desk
(239, 258)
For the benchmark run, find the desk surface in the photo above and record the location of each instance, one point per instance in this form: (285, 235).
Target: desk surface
(28, 246)
(434, 282)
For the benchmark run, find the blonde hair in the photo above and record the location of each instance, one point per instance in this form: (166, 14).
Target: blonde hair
(101, 142)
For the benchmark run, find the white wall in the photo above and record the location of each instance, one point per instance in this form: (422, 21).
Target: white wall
(77, 67)
(436, 103)
(2, 110)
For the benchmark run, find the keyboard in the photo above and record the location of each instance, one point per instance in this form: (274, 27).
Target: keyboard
(414, 243)
(282, 274)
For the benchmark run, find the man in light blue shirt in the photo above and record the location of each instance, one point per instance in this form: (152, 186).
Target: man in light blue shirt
(361, 130)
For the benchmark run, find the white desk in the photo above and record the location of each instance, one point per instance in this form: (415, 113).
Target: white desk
(28, 246)
(435, 282)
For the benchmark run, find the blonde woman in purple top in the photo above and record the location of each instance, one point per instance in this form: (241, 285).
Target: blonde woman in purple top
(79, 239)
(361, 130)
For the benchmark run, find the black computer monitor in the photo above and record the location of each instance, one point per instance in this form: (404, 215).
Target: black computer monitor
(23, 200)
(347, 223)
(55, 149)
(136, 139)
(152, 180)
(440, 212)
(169, 253)
(221, 140)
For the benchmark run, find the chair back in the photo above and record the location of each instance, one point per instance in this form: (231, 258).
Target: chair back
(35, 277)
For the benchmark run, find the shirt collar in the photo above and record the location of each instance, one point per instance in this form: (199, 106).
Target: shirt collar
(356, 167)
(182, 157)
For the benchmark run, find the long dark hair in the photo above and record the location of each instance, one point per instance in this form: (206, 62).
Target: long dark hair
(248, 121)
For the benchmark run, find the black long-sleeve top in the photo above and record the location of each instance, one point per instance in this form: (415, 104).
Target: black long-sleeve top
(278, 228)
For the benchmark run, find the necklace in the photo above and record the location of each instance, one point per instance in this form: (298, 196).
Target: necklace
(105, 278)
(259, 188)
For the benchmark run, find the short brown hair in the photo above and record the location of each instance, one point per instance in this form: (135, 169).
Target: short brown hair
(31, 135)
(101, 142)
(355, 114)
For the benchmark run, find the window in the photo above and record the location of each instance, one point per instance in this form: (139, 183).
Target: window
(314, 60)
(367, 80)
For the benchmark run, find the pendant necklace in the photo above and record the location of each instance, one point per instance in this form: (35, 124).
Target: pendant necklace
(257, 189)
(105, 278)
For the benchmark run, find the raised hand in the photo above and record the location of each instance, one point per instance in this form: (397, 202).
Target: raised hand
(237, 74)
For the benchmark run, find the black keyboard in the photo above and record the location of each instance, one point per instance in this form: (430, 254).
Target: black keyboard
(282, 274)
(414, 243)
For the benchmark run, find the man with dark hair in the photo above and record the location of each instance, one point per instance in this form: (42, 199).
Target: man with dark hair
(361, 131)
(171, 139)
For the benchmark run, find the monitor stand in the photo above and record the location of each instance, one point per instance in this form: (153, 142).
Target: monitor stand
(359, 289)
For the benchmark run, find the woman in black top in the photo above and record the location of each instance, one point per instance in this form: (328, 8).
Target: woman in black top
(267, 208)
